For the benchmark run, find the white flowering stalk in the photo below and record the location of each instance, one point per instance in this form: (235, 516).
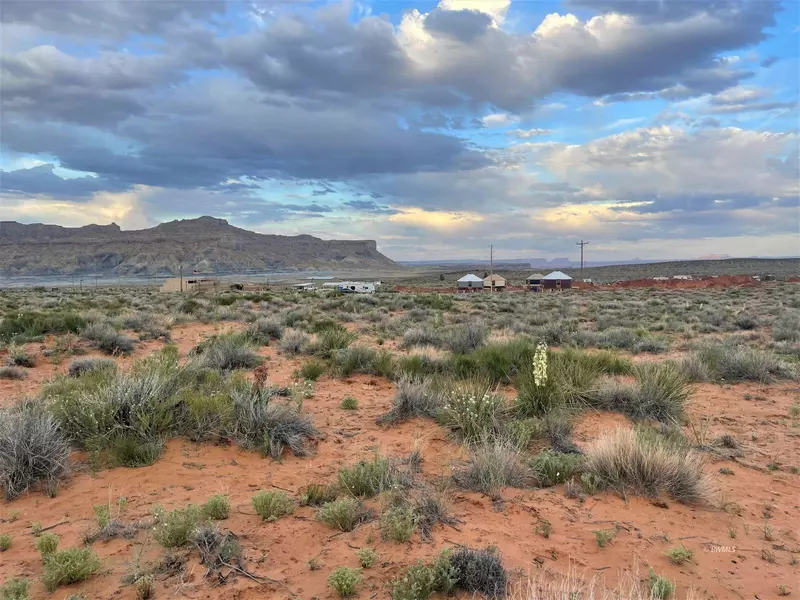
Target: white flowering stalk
(540, 365)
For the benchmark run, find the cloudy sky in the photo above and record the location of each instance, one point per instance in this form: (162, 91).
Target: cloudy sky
(653, 128)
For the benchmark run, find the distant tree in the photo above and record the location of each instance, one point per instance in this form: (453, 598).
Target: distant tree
(485, 274)
(441, 276)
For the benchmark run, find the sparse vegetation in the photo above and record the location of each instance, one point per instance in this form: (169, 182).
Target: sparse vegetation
(271, 506)
(69, 566)
(345, 581)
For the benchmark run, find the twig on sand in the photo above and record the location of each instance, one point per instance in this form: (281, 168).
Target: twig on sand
(53, 526)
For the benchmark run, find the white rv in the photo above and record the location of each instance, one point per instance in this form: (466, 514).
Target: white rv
(356, 287)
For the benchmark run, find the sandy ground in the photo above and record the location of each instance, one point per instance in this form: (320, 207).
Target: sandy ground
(722, 567)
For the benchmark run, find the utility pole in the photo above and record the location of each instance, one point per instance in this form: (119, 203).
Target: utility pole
(491, 268)
(581, 244)
(181, 273)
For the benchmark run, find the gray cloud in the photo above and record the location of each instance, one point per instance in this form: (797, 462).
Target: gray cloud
(463, 25)
(42, 180)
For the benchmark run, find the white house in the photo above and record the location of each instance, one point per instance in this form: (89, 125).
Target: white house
(557, 280)
(470, 283)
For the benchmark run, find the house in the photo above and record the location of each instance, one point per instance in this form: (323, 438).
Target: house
(494, 283)
(189, 284)
(557, 280)
(470, 283)
(534, 282)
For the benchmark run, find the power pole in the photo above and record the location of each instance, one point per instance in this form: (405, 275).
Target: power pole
(491, 268)
(181, 273)
(581, 244)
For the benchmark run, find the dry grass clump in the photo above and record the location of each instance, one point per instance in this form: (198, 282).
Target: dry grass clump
(414, 398)
(494, 465)
(631, 462)
(660, 393)
(84, 366)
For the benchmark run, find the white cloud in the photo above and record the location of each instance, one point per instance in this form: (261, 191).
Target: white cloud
(529, 133)
(499, 120)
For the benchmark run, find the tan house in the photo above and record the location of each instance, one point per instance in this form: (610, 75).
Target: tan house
(494, 283)
(190, 284)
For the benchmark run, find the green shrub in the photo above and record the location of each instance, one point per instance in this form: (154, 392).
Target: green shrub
(492, 466)
(661, 588)
(46, 544)
(421, 336)
(660, 393)
(741, 363)
(333, 337)
(85, 366)
(786, 327)
(413, 398)
(644, 464)
(349, 403)
(398, 523)
(604, 536)
(145, 587)
(368, 478)
(312, 370)
(217, 508)
(678, 555)
(317, 494)
(15, 589)
(271, 506)
(356, 359)
(479, 571)
(174, 528)
(465, 338)
(343, 514)
(27, 326)
(207, 415)
(293, 342)
(69, 566)
(6, 541)
(12, 373)
(345, 581)
(130, 451)
(366, 557)
(551, 468)
(262, 330)
(473, 411)
(228, 352)
(20, 358)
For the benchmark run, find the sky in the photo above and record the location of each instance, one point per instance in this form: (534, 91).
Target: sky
(652, 128)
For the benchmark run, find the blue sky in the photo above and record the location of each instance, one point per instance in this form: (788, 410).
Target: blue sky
(656, 129)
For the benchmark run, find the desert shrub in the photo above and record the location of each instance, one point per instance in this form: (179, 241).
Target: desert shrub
(312, 370)
(479, 571)
(84, 366)
(6, 541)
(571, 381)
(653, 345)
(174, 528)
(217, 508)
(421, 336)
(228, 352)
(465, 338)
(786, 328)
(345, 581)
(46, 544)
(262, 330)
(416, 365)
(69, 566)
(15, 589)
(741, 363)
(293, 342)
(333, 337)
(19, 357)
(25, 326)
(604, 361)
(421, 580)
(33, 449)
(349, 403)
(317, 494)
(271, 506)
(430, 510)
(145, 587)
(206, 415)
(356, 359)
(618, 337)
(129, 451)
(679, 555)
(661, 588)
(398, 522)
(644, 464)
(473, 411)
(413, 398)
(659, 393)
(343, 514)
(366, 557)
(12, 373)
(368, 478)
(493, 465)
(604, 536)
(107, 339)
(551, 468)
(745, 322)
(217, 549)
(500, 362)
(521, 432)
(264, 424)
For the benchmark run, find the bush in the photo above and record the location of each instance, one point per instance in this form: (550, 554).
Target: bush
(413, 398)
(787, 327)
(312, 370)
(660, 393)
(466, 338)
(349, 403)
(32, 449)
(27, 326)
(262, 330)
(357, 359)
(271, 506)
(473, 411)
(366, 557)
(345, 581)
(398, 523)
(479, 571)
(263, 424)
(653, 345)
(678, 555)
(107, 339)
(84, 366)
(420, 581)
(206, 415)
(661, 588)
(145, 587)
(15, 589)
(69, 566)
(645, 464)
(173, 529)
(740, 363)
(229, 352)
(551, 468)
(18, 357)
(618, 337)
(421, 336)
(46, 544)
(492, 466)
(333, 337)
(604, 536)
(12, 373)
(293, 342)
(217, 508)
(317, 494)
(343, 514)
(6, 541)
(368, 478)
